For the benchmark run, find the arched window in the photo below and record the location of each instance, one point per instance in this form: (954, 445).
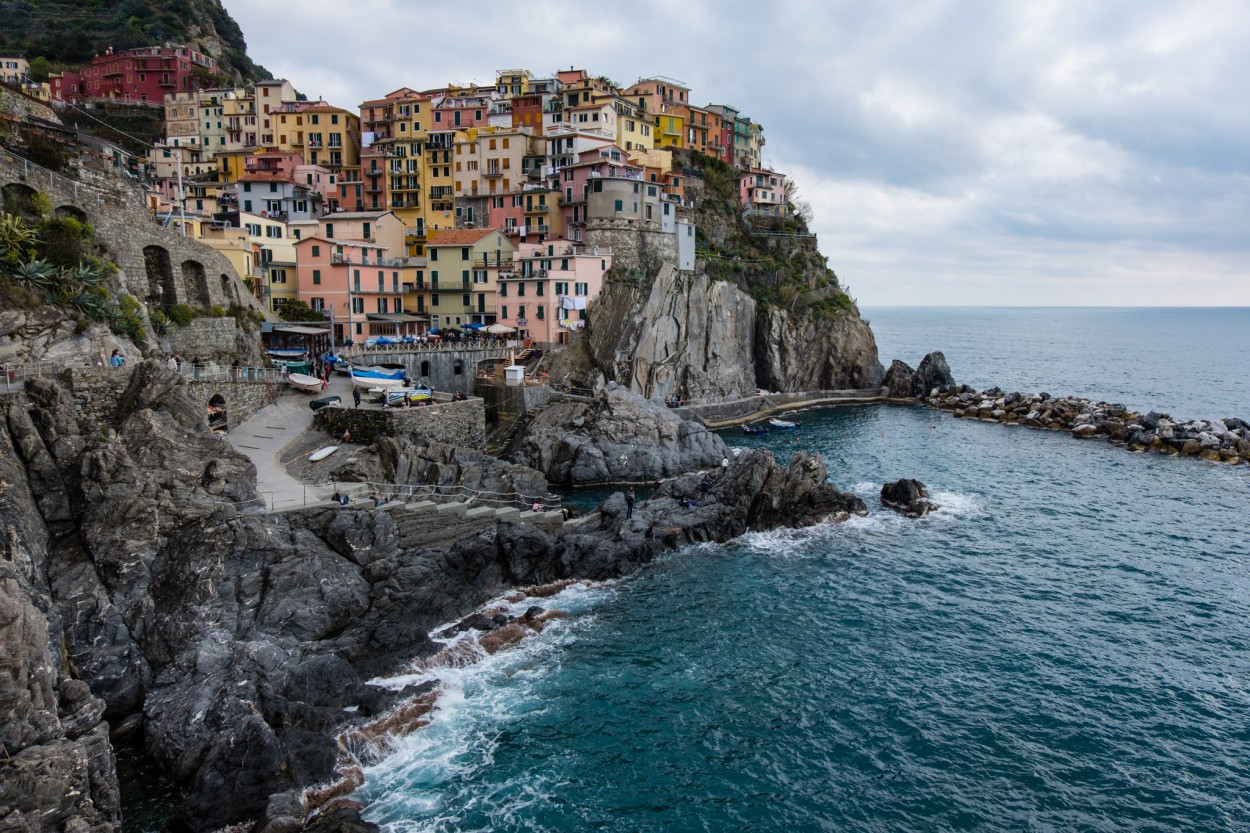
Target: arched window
(425, 368)
(458, 367)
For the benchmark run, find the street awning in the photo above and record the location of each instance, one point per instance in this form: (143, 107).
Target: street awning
(303, 331)
(396, 317)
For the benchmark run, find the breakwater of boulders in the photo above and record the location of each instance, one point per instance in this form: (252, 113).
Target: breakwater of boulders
(1218, 440)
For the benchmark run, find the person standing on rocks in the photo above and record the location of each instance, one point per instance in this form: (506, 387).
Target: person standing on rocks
(704, 485)
(629, 502)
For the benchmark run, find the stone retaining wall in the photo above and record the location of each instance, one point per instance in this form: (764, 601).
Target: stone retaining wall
(442, 370)
(744, 410)
(96, 392)
(507, 402)
(158, 266)
(453, 423)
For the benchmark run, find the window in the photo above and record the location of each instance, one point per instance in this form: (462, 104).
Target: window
(277, 276)
(316, 251)
(358, 304)
(538, 288)
(366, 230)
(539, 313)
(317, 304)
(458, 366)
(330, 230)
(434, 279)
(464, 253)
(316, 277)
(382, 308)
(433, 253)
(562, 288)
(465, 301)
(620, 205)
(434, 300)
(503, 290)
(520, 313)
(520, 289)
(581, 288)
(503, 311)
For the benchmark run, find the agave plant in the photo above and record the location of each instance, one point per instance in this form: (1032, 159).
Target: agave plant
(38, 274)
(90, 302)
(16, 238)
(89, 275)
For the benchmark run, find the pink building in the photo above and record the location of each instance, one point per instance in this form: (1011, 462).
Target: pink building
(354, 283)
(576, 181)
(763, 191)
(547, 293)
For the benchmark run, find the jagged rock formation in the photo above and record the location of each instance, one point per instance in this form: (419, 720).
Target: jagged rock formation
(901, 382)
(238, 640)
(760, 309)
(617, 438)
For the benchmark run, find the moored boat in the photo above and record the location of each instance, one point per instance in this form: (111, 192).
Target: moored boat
(308, 384)
(370, 379)
(754, 429)
(783, 423)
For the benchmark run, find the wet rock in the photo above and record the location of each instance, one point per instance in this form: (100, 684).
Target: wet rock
(908, 496)
(899, 380)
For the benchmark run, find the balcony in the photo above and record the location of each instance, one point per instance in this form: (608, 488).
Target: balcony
(491, 173)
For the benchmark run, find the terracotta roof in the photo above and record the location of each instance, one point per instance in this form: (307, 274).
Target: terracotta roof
(266, 176)
(460, 236)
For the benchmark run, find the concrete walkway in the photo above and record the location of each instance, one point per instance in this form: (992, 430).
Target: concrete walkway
(263, 437)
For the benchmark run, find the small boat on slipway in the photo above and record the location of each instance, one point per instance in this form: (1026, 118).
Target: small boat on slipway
(754, 429)
(308, 384)
(371, 379)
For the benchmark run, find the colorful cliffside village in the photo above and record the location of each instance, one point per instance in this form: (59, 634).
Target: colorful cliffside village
(458, 207)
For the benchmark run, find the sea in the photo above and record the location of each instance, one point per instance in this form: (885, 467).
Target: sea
(1063, 646)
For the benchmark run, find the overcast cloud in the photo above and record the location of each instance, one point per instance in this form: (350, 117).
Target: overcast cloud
(1039, 153)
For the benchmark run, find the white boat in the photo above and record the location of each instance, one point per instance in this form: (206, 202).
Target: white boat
(308, 384)
(782, 423)
(369, 379)
(322, 453)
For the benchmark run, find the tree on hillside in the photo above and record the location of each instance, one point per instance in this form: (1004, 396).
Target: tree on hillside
(298, 311)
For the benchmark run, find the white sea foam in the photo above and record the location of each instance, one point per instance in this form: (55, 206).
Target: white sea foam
(476, 703)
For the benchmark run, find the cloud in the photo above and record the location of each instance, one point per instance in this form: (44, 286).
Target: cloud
(954, 151)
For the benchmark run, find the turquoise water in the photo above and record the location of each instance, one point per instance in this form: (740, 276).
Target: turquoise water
(1064, 646)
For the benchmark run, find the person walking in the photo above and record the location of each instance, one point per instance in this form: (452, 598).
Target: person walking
(356, 396)
(629, 502)
(704, 485)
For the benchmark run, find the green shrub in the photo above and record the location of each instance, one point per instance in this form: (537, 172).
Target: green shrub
(217, 312)
(181, 314)
(160, 322)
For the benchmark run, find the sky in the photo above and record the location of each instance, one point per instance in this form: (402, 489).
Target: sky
(1083, 153)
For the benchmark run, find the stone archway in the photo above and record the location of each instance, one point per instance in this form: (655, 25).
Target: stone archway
(195, 284)
(72, 211)
(218, 416)
(425, 369)
(17, 200)
(162, 289)
(228, 293)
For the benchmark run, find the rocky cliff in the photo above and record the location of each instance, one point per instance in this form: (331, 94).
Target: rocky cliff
(619, 437)
(141, 585)
(761, 309)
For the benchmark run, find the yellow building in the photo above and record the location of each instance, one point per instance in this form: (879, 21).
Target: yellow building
(393, 131)
(274, 260)
(461, 280)
(236, 245)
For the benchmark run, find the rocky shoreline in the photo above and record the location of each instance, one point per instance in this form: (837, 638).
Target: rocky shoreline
(1218, 440)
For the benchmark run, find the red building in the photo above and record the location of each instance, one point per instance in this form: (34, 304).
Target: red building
(135, 76)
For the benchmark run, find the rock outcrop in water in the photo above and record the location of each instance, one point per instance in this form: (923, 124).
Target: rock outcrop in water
(911, 497)
(239, 643)
(619, 437)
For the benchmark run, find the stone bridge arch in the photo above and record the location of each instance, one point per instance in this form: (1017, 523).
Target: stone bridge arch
(162, 288)
(195, 284)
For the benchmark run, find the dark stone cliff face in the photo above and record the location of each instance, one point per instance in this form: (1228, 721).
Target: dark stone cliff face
(140, 585)
(761, 309)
